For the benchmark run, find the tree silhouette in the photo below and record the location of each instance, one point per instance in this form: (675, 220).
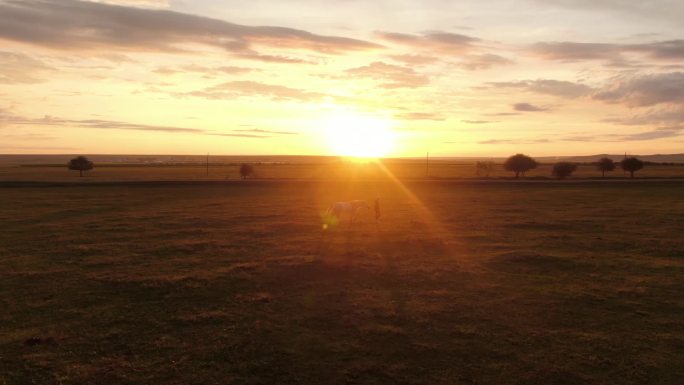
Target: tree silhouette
(484, 168)
(605, 164)
(80, 163)
(631, 164)
(246, 170)
(519, 164)
(562, 170)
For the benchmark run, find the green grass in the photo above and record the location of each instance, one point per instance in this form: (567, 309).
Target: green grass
(237, 283)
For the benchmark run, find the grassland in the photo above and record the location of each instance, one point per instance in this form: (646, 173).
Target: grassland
(237, 283)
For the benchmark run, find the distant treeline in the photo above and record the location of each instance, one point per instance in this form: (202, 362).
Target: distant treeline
(646, 163)
(237, 164)
(174, 164)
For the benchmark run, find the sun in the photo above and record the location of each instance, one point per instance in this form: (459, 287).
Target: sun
(359, 135)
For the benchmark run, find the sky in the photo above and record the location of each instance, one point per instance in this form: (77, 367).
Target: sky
(350, 77)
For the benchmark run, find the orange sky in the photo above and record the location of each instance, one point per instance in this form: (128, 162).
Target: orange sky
(398, 78)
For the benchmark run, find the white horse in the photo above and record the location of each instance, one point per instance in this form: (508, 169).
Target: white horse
(352, 209)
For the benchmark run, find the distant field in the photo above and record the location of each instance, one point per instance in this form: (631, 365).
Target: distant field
(462, 283)
(323, 170)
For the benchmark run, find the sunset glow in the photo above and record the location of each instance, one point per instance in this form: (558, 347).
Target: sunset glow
(450, 78)
(359, 136)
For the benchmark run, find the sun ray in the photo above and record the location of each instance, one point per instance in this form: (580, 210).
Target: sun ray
(434, 224)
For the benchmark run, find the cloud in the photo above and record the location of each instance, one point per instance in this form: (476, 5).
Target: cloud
(670, 10)
(504, 114)
(483, 62)
(513, 141)
(17, 68)
(395, 76)
(666, 50)
(479, 121)
(639, 136)
(583, 138)
(208, 71)
(559, 88)
(260, 131)
(237, 135)
(441, 42)
(664, 117)
(251, 55)
(81, 25)
(30, 136)
(664, 122)
(527, 107)
(644, 90)
(93, 123)
(572, 51)
(470, 62)
(136, 3)
(415, 60)
(669, 50)
(622, 63)
(420, 116)
(245, 88)
(51, 121)
(40, 148)
(654, 134)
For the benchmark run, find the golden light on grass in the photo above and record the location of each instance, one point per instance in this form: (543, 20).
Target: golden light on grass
(359, 136)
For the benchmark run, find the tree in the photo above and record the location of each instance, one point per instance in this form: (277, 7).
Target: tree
(605, 164)
(631, 164)
(519, 164)
(562, 170)
(484, 168)
(80, 164)
(246, 170)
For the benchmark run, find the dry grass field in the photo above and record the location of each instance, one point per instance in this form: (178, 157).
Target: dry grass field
(238, 283)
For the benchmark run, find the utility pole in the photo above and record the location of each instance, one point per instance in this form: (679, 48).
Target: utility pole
(207, 164)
